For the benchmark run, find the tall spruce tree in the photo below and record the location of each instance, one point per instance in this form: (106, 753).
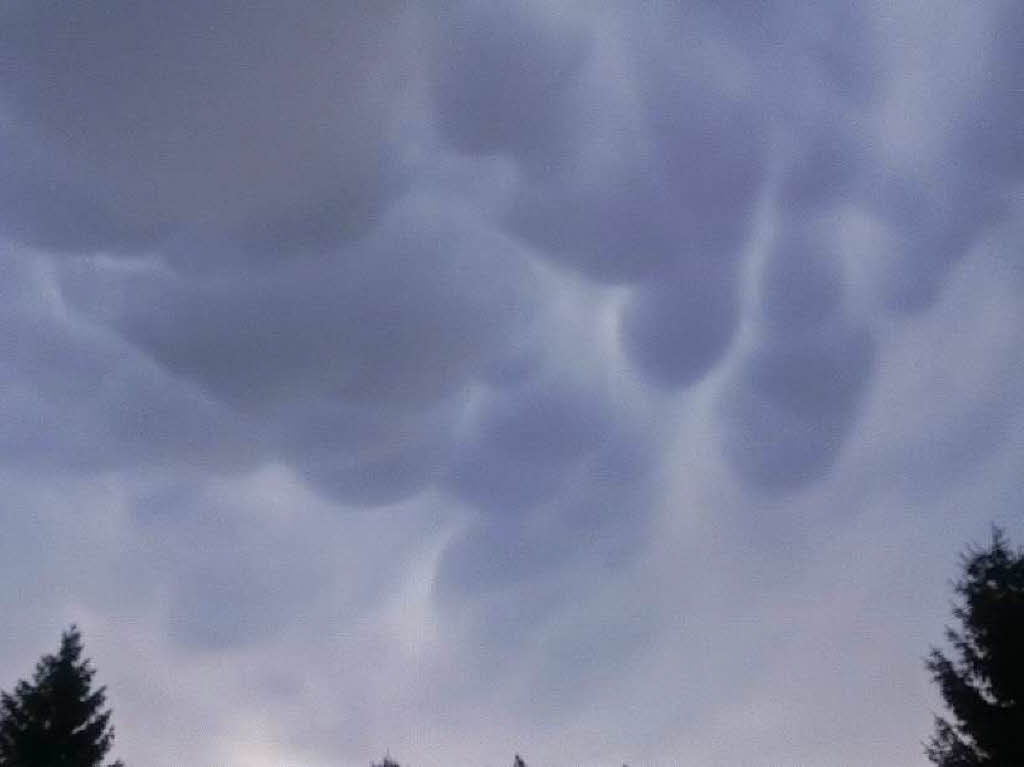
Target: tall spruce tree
(983, 687)
(57, 719)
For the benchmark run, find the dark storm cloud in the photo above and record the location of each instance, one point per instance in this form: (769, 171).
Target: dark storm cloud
(801, 283)
(350, 364)
(594, 515)
(932, 221)
(224, 142)
(959, 402)
(680, 185)
(345, 322)
(522, 445)
(250, 153)
(233, 156)
(361, 455)
(793, 406)
(351, 359)
(505, 78)
(989, 136)
(794, 396)
(823, 47)
(937, 188)
(77, 397)
(431, 283)
(43, 201)
(156, 116)
(677, 328)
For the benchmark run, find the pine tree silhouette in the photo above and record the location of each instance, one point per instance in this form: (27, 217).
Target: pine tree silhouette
(984, 685)
(57, 719)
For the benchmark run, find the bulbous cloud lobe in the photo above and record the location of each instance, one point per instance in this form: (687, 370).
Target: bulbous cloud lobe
(265, 122)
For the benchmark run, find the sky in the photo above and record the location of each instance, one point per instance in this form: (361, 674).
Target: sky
(600, 381)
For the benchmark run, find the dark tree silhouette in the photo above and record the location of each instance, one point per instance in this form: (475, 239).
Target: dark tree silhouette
(983, 687)
(518, 761)
(57, 719)
(386, 762)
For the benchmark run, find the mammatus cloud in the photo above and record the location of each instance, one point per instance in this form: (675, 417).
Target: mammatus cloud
(267, 127)
(488, 351)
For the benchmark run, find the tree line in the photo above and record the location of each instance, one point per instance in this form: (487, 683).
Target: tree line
(60, 719)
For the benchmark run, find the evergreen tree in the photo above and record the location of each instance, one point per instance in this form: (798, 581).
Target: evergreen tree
(57, 719)
(983, 687)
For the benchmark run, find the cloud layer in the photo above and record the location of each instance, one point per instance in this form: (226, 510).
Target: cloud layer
(467, 369)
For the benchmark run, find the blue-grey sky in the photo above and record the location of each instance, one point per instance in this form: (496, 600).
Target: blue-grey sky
(604, 381)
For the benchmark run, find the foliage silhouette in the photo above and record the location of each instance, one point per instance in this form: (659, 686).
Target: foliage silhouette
(983, 686)
(57, 719)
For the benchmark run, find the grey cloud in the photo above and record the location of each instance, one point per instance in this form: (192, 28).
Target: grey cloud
(523, 445)
(938, 195)
(825, 170)
(580, 656)
(362, 455)
(967, 357)
(495, 555)
(505, 78)
(348, 366)
(613, 499)
(618, 228)
(792, 404)
(829, 47)
(677, 328)
(230, 561)
(547, 423)
(527, 585)
(988, 137)
(597, 515)
(713, 150)
(690, 195)
(801, 284)
(608, 308)
(430, 284)
(933, 224)
(664, 163)
(498, 482)
(795, 397)
(42, 202)
(817, 378)
(558, 473)
(265, 123)
(76, 397)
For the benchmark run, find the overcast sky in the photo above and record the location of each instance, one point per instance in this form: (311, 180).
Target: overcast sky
(604, 381)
